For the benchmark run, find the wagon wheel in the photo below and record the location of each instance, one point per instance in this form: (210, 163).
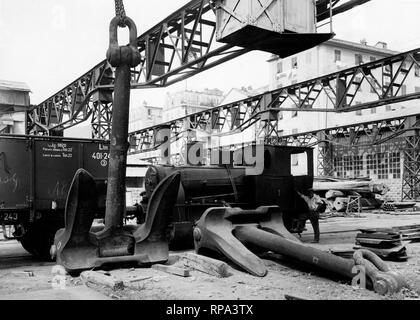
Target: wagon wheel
(39, 238)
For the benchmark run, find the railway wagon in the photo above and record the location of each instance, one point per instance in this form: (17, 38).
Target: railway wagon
(35, 176)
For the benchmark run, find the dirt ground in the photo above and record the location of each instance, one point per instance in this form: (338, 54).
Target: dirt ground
(23, 277)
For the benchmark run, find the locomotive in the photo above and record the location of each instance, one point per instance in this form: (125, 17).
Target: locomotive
(203, 187)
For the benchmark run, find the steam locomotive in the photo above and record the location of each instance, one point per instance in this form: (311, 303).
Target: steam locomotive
(277, 183)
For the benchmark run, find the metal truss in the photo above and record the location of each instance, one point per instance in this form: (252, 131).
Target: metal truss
(400, 134)
(385, 80)
(177, 48)
(73, 104)
(411, 172)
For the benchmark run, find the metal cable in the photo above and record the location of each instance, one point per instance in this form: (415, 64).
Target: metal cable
(120, 12)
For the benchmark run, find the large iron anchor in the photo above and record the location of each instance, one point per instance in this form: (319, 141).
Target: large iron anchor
(232, 231)
(78, 247)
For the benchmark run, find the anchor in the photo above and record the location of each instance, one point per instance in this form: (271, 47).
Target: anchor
(238, 234)
(78, 246)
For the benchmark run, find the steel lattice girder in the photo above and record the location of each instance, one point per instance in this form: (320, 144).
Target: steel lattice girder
(411, 176)
(377, 132)
(178, 47)
(390, 130)
(411, 173)
(385, 78)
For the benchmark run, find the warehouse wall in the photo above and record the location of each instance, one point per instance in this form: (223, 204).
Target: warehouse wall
(383, 163)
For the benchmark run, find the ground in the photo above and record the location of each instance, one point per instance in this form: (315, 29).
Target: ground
(23, 277)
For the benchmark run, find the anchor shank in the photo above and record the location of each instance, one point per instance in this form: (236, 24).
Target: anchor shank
(297, 251)
(115, 200)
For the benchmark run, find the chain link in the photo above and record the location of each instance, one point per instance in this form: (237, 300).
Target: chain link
(120, 12)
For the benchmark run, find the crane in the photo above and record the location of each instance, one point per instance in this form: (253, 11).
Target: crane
(180, 46)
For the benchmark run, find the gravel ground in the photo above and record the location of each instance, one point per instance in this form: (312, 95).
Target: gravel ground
(22, 276)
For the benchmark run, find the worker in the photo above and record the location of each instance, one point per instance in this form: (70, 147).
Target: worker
(315, 206)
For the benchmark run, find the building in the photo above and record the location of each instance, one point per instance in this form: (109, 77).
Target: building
(144, 116)
(187, 102)
(14, 101)
(382, 163)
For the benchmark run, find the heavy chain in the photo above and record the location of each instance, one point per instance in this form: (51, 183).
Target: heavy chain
(120, 12)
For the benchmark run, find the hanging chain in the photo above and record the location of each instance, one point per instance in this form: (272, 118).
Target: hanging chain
(120, 12)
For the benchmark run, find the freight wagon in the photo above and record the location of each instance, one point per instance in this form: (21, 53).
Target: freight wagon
(35, 176)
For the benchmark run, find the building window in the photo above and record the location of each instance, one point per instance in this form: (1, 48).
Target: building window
(372, 59)
(395, 165)
(417, 71)
(348, 166)
(358, 165)
(382, 166)
(294, 63)
(373, 110)
(371, 164)
(403, 90)
(279, 67)
(338, 167)
(388, 108)
(358, 59)
(337, 55)
(417, 89)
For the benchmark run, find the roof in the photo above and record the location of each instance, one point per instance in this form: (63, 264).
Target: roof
(352, 46)
(14, 86)
(360, 46)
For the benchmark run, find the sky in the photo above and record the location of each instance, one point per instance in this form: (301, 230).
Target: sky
(50, 43)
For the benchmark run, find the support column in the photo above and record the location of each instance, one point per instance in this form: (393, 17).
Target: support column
(102, 115)
(411, 171)
(325, 165)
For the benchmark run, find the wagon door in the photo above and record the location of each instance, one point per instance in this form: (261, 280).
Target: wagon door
(14, 174)
(55, 165)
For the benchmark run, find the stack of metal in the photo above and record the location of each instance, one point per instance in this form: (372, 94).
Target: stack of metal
(389, 244)
(350, 195)
(398, 206)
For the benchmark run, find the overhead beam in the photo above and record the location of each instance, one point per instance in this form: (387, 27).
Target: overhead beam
(385, 81)
(170, 54)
